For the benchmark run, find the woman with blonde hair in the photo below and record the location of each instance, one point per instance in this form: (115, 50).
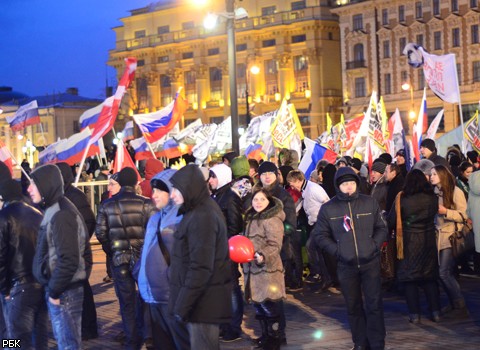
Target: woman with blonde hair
(452, 210)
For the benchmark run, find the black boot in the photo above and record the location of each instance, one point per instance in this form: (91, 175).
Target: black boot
(259, 342)
(273, 334)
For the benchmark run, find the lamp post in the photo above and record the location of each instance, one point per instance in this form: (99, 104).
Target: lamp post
(232, 72)
(254, 70)
(230, 15)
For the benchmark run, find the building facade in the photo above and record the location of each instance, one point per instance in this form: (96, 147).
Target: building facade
(373, 36)
(296, 45)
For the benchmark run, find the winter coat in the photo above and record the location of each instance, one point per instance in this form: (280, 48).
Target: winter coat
(77, 197)
(314, 196)
(62, 254)
(394, 187)
(152, 167)
(153, 281)
(419, 237)
(19, 224)
(350, 227)
(439, 160)
(200, 275)
(446, 223)
(265, 230)
(474, 206)
(379, 192)
(121, 223)
(231, 205)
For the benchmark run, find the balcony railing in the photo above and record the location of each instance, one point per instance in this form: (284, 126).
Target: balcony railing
(287, 17)
(356, 64)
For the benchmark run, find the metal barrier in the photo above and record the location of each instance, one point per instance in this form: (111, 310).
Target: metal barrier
(93, 190)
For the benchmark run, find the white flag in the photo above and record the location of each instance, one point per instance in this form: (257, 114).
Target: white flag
(432, 129)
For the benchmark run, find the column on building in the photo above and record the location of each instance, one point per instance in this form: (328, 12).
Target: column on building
(285, 68)
(176, 79)
(226, 89)
(203, 93)
(317, 120)
(153, 91)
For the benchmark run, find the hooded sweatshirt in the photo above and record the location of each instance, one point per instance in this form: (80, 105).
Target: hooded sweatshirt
(152, 167)
(61, 254)
(153, 281)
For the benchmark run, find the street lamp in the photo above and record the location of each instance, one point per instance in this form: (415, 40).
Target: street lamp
(254, 70)
(231, 14)
(411, 114)
(28, 150)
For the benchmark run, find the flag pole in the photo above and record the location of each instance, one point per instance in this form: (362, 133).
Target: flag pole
(21, 168)
(79, 172)
(464, 145)
(43, 135)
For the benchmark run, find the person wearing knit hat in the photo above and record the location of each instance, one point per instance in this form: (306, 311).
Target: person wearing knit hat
(121, 223)
(400, 160)
(379, 184)
(363, 186)
(24, 297)
(152, 167)
(127, 177)
(228, 157)
(428, 150)
(240, 167)
(267, 167)
(386, 157)
(350, 228)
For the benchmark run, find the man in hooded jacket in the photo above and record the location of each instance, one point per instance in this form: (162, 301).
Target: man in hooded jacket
(200, 274)
(231, 205)
(351, 228)
(62, 256)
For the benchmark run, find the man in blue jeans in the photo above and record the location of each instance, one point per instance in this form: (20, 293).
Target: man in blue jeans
(61, 255)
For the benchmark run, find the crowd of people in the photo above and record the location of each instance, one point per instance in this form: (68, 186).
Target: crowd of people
(166, 242)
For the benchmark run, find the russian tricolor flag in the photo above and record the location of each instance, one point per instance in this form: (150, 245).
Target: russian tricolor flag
(26, 115)
(127, 133)
(71, 150)
(90, 116)
(157, 124)
(5, 157)
(142, 151)
(314, 152)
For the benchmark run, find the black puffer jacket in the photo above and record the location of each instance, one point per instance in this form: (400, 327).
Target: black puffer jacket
(231, 205)
(121, 224)
(419, 242)
(359, 242)
(200, 287)
(77, 197)
(19, 224)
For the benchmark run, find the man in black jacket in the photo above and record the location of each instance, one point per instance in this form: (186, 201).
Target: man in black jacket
(62, 256)
(200, 274)
(350, 226)
(231, 205)
(80, 201)
(25, 308)
(121, 224)
(428, 150)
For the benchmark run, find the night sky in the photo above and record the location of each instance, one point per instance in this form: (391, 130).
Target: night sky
(47, 46)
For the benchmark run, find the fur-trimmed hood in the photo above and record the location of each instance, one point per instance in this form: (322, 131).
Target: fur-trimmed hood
(272, 210)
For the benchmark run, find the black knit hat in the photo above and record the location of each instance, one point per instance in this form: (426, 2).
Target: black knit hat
(345, 174)
(114, 177)
(10, 190)
(379, 166)
(401, 153)
(386, 157)
(267, 167)
(127, 177)
(430, 144)
(356, 163)
(472, 156)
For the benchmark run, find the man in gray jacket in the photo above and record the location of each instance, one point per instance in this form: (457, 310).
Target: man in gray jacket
(61, 255)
